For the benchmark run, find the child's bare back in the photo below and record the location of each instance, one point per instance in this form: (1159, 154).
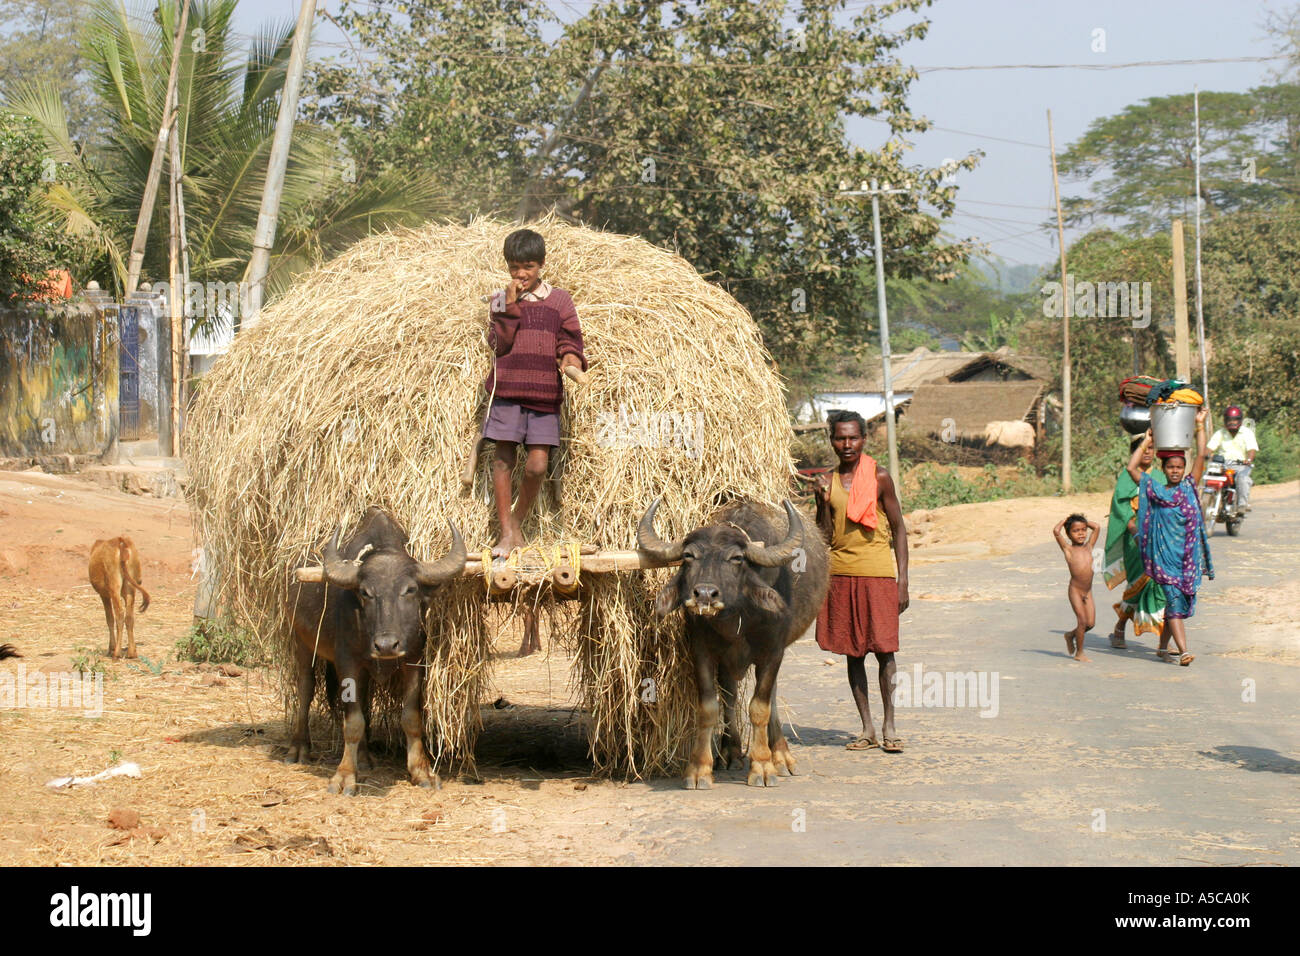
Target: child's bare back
(1076, 536)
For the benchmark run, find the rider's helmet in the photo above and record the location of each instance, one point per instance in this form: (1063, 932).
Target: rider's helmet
(1232, 412)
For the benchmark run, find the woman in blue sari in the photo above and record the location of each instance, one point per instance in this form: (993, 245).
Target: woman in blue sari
(1171, 534)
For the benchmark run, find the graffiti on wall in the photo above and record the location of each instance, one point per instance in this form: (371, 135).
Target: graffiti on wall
(58, 381)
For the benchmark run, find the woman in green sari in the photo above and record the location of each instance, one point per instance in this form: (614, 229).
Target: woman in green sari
(1143, 600)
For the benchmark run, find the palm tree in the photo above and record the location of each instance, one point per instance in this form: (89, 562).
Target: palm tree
(228, 103)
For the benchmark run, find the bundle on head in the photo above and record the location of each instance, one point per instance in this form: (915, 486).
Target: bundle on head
(363, 386)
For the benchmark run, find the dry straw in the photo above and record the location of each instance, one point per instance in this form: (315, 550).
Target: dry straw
(363, 386)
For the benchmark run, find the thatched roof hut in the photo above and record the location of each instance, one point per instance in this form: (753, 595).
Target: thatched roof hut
(363, 386)
(971, 406)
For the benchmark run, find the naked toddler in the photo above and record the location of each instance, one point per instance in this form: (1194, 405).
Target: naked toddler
(1076, 543)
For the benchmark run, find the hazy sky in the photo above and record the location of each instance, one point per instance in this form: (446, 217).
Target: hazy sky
(1013, 104)
(994, 105)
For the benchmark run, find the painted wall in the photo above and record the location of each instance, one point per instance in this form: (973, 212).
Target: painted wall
(58, 381)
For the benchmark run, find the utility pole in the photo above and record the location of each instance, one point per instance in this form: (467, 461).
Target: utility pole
(264, 238)
(155, 165)
(180, 282)
(1065, 298)
(875, 192)
(1200, 318)
(176, 293)
(1182, 347)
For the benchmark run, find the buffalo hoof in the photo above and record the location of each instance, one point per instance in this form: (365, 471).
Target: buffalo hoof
(298, 753)
(728, 756)
(762, 773)
(698, 778)
(345, 784)
(425, 779)
(785, 762)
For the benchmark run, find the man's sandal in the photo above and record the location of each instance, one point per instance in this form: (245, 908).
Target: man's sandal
(862, 742)
(893, 745)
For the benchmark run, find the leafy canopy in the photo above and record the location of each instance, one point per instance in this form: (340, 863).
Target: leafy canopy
(713, 128)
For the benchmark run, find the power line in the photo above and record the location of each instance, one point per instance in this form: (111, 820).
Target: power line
(1006, 205)
(962, 132)
(1105, 66)
(1023, 222)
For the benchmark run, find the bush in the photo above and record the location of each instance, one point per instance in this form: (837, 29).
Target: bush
(937, 487)
(1278, 458)
(1091, 470)
(219, 642)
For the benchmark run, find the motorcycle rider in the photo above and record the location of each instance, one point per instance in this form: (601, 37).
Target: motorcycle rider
(1237, 443)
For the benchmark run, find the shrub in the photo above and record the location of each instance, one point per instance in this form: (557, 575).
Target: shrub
(1278, 458)
(219, 642)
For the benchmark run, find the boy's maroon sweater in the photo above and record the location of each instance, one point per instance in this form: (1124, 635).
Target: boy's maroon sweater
(529, 338)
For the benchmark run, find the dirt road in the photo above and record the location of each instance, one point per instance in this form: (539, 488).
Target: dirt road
(1124, 760)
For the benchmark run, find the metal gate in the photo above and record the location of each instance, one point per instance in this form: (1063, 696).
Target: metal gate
(128, 397)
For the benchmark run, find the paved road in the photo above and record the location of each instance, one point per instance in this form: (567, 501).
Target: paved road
(1122, 761)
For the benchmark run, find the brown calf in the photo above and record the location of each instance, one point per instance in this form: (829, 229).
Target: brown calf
(115, 574)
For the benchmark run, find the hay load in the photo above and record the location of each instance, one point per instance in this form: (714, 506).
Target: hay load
(363, 386)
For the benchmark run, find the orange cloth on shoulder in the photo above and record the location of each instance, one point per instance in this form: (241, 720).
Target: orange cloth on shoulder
(862, 496)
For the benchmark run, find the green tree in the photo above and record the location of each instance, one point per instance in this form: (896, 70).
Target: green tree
(605, 124)
(30, 244)
(228, 104)
(1139, 163)
(1252, 312)
(1104, 349)
(39, 38)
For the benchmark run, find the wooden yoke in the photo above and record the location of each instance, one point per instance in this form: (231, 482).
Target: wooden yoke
(564, 578)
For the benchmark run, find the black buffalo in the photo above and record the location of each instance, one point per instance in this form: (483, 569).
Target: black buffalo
(750, 584)
(366, 620)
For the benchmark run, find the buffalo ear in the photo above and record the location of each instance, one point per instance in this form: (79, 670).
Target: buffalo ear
(765, 599)
(669, 598)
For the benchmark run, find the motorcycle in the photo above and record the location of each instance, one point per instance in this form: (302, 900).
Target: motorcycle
(1219, 497)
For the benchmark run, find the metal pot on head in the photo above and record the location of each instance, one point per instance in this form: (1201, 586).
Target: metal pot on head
(1135, 419)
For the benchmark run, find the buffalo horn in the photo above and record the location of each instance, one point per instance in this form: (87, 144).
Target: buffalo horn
(429, 573)
(778, 554)
(339, 571)
(651, 543)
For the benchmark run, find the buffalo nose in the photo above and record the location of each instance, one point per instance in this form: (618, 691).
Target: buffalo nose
(705, 594)
(387, 646)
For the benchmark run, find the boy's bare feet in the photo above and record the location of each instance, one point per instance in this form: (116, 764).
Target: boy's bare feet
(509, 541)
(1082, 658)
(1069, 643)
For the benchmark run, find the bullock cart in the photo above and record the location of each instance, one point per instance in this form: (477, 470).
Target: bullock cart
(363, 385)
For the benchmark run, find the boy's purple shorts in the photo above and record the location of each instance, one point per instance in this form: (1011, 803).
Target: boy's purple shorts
(510, 421)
